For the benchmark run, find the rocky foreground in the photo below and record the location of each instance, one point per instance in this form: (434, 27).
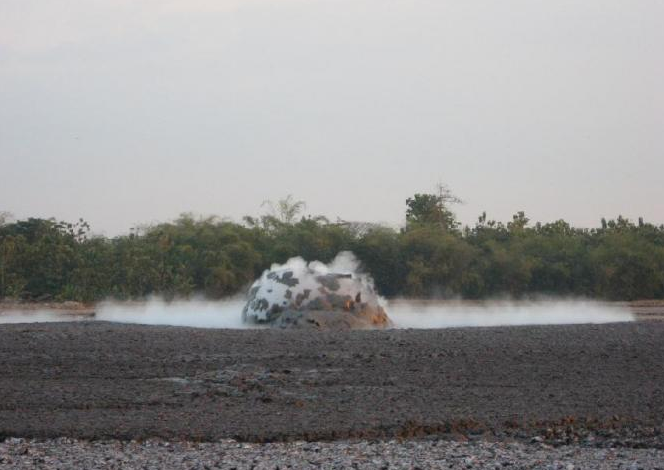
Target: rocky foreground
(585, 395)
(71, 453)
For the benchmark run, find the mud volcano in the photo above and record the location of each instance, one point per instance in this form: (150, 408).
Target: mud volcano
(315, 295)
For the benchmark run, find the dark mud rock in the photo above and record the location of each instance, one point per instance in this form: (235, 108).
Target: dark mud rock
(285, 278)
(361, 318)
(331, 281)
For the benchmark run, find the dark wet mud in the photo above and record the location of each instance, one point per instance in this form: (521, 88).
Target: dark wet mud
(596, 384)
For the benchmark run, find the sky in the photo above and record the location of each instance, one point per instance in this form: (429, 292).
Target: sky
(127, 112)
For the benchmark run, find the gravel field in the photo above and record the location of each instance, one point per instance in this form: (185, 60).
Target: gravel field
(556, 395)
(69, 453)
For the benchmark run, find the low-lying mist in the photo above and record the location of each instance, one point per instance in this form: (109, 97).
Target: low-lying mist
(403, 313)
(39, 316)
(195, 313)
(448, 314)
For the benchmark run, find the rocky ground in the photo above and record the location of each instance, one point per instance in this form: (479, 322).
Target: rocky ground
(152, 454)
(584, 395)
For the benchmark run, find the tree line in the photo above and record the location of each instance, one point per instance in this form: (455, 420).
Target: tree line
(432, 256)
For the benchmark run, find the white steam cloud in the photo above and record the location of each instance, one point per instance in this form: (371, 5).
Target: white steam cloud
(194, 313)
(449, 314)
(403, 313)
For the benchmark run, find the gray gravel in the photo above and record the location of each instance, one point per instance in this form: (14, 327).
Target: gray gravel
(67, 453)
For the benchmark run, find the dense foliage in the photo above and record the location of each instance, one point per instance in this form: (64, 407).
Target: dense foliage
(432, 256)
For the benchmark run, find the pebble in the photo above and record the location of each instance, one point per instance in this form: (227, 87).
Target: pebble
(156, 454)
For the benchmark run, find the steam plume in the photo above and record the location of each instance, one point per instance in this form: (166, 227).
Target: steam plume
(432, 314)
(403, 313)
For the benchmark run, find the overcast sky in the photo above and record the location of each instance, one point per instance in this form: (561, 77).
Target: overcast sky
(132, 111)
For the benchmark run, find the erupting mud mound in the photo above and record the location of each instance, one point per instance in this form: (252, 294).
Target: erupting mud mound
(315, 295)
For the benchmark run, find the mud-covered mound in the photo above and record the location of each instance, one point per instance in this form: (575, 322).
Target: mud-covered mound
(326, 313)
(315, 295)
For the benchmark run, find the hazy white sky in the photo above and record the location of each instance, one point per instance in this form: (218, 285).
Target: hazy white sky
(128, 111)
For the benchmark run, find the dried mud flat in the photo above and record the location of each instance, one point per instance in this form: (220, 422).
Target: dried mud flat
(505, 391)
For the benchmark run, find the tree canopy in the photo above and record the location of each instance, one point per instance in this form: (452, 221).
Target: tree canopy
(432, 256)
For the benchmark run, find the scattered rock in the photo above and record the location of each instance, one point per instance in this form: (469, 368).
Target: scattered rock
(153, 454)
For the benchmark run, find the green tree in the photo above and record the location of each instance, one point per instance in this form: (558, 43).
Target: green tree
(432, 209)
(46, 259)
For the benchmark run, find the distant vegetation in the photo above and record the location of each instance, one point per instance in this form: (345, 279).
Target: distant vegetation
(432, 256)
